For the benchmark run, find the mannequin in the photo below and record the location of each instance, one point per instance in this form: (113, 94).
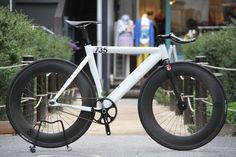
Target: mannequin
(143, 35)
(124, 36)
(124, 31)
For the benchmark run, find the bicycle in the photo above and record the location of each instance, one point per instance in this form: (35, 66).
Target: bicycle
(39, 112)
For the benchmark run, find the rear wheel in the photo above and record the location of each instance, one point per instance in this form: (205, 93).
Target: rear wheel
(27, 103)
(183, 128)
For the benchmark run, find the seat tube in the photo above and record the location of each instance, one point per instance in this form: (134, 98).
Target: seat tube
(94, 71)
(92, 63)
(85, 37)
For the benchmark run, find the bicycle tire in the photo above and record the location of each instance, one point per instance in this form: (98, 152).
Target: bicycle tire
(23, 98)
(177, 133)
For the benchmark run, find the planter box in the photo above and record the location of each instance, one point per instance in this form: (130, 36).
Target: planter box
(228, 130)
(6, 128)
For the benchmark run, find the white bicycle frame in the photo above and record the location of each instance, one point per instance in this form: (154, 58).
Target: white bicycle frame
(156, 54)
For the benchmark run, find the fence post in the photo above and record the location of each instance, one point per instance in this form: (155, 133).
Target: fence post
(200, 107)
(188, 91)
(28, 105)
(70, 94)
(171, 97)
(60, 81)
(52, 88)
(180, 83)
(41, 97)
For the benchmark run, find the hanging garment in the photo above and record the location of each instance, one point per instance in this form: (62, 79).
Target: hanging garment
(125, 39)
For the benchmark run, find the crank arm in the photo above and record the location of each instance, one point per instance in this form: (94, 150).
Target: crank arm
(107, 127)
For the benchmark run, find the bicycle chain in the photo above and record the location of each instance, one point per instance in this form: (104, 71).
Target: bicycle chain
(99, 120)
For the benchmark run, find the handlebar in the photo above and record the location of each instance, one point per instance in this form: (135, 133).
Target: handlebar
(174, 38)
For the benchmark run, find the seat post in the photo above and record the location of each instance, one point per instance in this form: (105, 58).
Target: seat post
(84, 35)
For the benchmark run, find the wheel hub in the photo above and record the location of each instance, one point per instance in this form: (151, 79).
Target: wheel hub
(182, 106)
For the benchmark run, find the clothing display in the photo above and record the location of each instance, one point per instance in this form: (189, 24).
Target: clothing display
(143, 35)
(124, 36)
(144, 31)
(124, 32)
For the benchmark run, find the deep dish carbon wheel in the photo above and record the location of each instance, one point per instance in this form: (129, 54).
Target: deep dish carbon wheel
(27, 103)
(183, 128)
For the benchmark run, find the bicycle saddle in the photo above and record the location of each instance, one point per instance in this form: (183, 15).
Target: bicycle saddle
(81, 23)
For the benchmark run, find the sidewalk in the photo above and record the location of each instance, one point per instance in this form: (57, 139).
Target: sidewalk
(126, 123)
(116, 146)
(130, 140)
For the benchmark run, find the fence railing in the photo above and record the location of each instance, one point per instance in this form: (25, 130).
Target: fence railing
(43, 87)
(54, 81)
(26, 60)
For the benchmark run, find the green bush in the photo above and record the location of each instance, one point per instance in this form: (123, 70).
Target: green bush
(17, 38)
(231, 116)
(220, 49)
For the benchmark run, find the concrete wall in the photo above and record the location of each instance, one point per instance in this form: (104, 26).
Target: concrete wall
(42, 12)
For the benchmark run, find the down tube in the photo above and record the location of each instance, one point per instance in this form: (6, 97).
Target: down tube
(133, 78)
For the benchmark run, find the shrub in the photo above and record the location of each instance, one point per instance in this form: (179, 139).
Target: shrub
(231, 116)
(17, 38)
(220, 49)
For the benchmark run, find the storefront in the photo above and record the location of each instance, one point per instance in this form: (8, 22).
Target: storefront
(189, 14)
(135, 10)
(183, 17)
(178, 16)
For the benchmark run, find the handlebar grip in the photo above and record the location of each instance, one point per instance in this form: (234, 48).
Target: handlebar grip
(180, 40)
(176, 39)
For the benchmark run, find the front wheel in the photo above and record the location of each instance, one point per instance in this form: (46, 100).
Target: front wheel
(28, 109)
(182, 128)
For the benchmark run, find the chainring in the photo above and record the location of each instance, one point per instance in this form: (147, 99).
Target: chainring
(110, 113)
